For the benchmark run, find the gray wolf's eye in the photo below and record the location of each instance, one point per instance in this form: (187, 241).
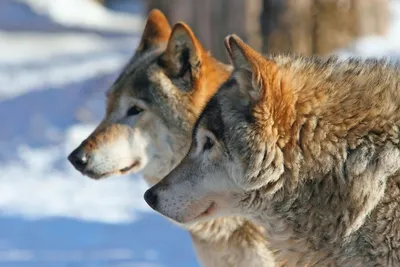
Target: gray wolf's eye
(208, 144)
(133, 111)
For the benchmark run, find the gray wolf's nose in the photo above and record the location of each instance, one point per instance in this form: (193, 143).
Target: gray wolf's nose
(151, 198)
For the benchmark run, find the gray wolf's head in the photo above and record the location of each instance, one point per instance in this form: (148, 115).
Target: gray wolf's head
(236, 143)
(152, 106)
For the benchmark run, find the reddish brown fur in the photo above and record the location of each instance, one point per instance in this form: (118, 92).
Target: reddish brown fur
(275, 108)
(207, 79)
(211, 76)
(104, 135)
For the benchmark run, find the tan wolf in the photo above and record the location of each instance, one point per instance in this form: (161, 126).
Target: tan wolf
(151, 110)
(308, 148)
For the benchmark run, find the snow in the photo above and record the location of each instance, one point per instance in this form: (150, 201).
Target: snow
(58, 60)
(23, 47)
(32, 188)
(61, 71)
(90, 14)
(52, 86)
(52, 95)
(16, 255)
(378, 46)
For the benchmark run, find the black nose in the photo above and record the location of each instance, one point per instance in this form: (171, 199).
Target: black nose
(151, 198)
(79, 159)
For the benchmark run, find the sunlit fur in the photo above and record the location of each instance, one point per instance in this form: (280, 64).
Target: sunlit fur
(170, 77)
(309, 148)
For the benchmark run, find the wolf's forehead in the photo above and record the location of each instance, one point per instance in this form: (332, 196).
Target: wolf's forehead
(211, 118)
(138, 64)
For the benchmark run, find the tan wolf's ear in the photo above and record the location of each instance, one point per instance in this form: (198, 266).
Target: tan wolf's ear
(184, 52)
(247, 63)
(156, 32)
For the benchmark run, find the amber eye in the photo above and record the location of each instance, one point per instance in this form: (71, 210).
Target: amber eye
(208, 144)
(133, 111)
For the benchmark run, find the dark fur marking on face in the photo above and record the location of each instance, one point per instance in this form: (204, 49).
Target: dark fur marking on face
(212, 118)
(230, 83)
(239, 102)
(214, 121)
(211, 108)
(140, 82)
(212, 113)
(139, 62)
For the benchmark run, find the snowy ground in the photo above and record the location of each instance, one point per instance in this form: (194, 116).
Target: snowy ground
(55, 64)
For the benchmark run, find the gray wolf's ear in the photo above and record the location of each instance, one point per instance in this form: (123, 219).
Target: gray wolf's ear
(156, 32)
(265, 85)
(184, 52)
(249, 67)
(237, 52)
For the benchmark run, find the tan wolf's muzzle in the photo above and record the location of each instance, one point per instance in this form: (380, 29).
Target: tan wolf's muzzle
(107, 151)
(79, 158)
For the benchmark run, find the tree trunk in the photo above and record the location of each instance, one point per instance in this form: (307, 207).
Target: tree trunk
(279, 26)
(211, 20)
(320, 26)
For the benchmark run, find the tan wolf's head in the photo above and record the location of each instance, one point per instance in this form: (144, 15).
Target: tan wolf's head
(152, 106)
(236, 143)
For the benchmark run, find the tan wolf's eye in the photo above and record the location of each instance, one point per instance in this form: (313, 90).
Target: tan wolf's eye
(133, 111)
(208, 144)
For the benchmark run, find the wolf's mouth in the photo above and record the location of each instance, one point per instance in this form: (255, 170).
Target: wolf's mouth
(130, 167)
(97, 176)
(209, 211)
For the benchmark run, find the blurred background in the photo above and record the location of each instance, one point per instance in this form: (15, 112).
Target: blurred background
(57, 57)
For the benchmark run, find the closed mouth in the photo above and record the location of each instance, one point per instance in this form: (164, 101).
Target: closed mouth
(98, 176)
(209, 211)
(130, 167)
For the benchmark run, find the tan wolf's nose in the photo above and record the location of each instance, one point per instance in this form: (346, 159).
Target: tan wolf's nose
(79, 159)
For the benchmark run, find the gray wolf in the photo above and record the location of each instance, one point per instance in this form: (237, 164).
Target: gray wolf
(307, 147)
(151, 110)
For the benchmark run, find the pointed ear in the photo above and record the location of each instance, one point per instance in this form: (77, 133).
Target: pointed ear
(184, 52)
(247, 64)
(156, 32)
(240, 54)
